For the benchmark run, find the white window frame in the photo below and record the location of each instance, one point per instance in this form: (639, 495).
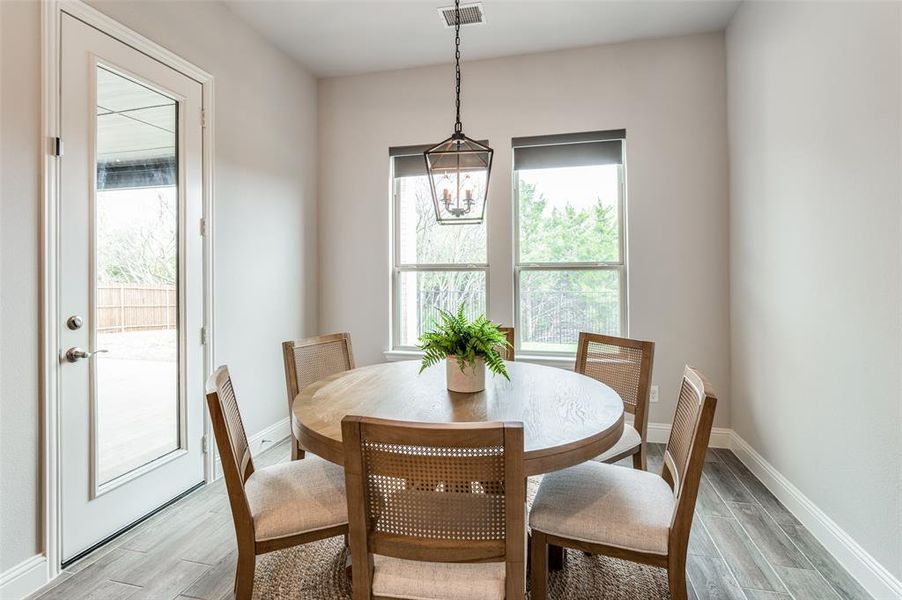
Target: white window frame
(620, 266)
(399, 267)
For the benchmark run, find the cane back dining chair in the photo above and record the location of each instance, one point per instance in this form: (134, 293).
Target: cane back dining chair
(312, 359)
(625, 365)
(628, 513)
(436, 511)
(275, 507)
(507, 353)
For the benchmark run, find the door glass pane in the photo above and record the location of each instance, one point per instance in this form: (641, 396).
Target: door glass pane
(422, 293)
(136, 384)
(556, 305)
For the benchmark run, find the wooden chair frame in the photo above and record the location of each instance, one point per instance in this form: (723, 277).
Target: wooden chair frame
(685, 487)
(291, 374)
(364, 542)
(236, 471)
(508, 353)
(640, 409)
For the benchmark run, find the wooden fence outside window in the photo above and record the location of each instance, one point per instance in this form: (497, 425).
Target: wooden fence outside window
(122, 308)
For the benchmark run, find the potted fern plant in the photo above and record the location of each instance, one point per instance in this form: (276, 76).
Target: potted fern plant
(467, 347)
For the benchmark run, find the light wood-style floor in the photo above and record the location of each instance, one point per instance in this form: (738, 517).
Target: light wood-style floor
(745, 544)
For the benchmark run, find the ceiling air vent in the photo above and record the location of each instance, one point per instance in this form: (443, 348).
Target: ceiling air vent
(470, 14)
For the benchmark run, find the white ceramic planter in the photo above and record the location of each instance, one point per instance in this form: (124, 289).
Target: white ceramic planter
(468, 381)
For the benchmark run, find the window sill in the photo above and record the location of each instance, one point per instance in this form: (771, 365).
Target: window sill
(563, 362)
(396, 355)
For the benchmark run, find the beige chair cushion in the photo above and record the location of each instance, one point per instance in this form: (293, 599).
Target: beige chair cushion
(605, 504)
(295, 497)
(629, 440)
(415, 580)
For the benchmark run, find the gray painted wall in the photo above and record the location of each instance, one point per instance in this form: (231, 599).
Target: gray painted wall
(816, 268)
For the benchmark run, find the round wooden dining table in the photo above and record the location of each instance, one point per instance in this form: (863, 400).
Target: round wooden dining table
(567, 418)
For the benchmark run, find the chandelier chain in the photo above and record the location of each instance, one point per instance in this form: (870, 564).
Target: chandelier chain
(457, 126)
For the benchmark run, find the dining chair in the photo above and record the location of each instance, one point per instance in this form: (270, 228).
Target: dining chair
(625, 365)
(436, 511)
(275, 507)
(312, 359)
(627, 513)
(507, 352)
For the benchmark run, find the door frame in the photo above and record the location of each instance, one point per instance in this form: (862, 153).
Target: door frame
(50, 361)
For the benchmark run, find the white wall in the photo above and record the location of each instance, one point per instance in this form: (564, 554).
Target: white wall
(816, 268)
(668, 94)
(20, 114)
(265, 217)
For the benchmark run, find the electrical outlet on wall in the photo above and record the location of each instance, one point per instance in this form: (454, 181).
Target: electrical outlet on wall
(653, 396)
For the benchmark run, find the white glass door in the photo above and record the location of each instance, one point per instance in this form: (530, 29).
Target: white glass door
(131, 286)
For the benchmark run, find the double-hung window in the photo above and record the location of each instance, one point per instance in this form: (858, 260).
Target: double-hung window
(570, 271)
(434, 266)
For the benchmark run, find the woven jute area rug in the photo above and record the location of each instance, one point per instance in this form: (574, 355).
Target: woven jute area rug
(317, 572)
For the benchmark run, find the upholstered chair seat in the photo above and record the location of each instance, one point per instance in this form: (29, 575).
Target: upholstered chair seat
(296, 497)
(629, 444)
(417, 580)
(605, 504)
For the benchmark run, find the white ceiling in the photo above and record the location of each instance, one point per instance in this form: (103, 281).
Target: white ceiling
(343, 37)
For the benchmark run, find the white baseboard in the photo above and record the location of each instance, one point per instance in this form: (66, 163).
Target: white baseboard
(26, 577)
(872, 575)
(260, 441)
(659, 433)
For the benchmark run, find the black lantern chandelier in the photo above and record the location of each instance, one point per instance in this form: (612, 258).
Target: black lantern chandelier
(459, 167)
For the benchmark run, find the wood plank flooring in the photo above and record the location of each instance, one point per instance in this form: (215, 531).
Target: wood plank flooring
(744, 545)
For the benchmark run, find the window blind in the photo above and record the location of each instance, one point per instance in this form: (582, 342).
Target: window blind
(569, 150)
(409, 160)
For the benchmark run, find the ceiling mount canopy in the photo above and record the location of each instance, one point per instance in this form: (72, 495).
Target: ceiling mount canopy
(459, 167)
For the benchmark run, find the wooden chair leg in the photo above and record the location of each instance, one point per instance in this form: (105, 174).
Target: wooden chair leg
(361, 570)
(539, 565)
(515, 580)
(244, 575)
(676, 577)
(639, 459)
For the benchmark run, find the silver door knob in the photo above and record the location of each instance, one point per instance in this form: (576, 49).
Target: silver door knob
(75, 353)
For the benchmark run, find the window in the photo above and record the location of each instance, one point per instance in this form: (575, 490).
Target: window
(435, 266)
(569, 273)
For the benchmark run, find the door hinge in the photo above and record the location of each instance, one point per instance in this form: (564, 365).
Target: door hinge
(203, 335)
(203, 444)
(203, 227)
(203, 117)
(57, 146)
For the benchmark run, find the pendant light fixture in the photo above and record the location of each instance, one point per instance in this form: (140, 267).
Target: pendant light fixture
(459, 167)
